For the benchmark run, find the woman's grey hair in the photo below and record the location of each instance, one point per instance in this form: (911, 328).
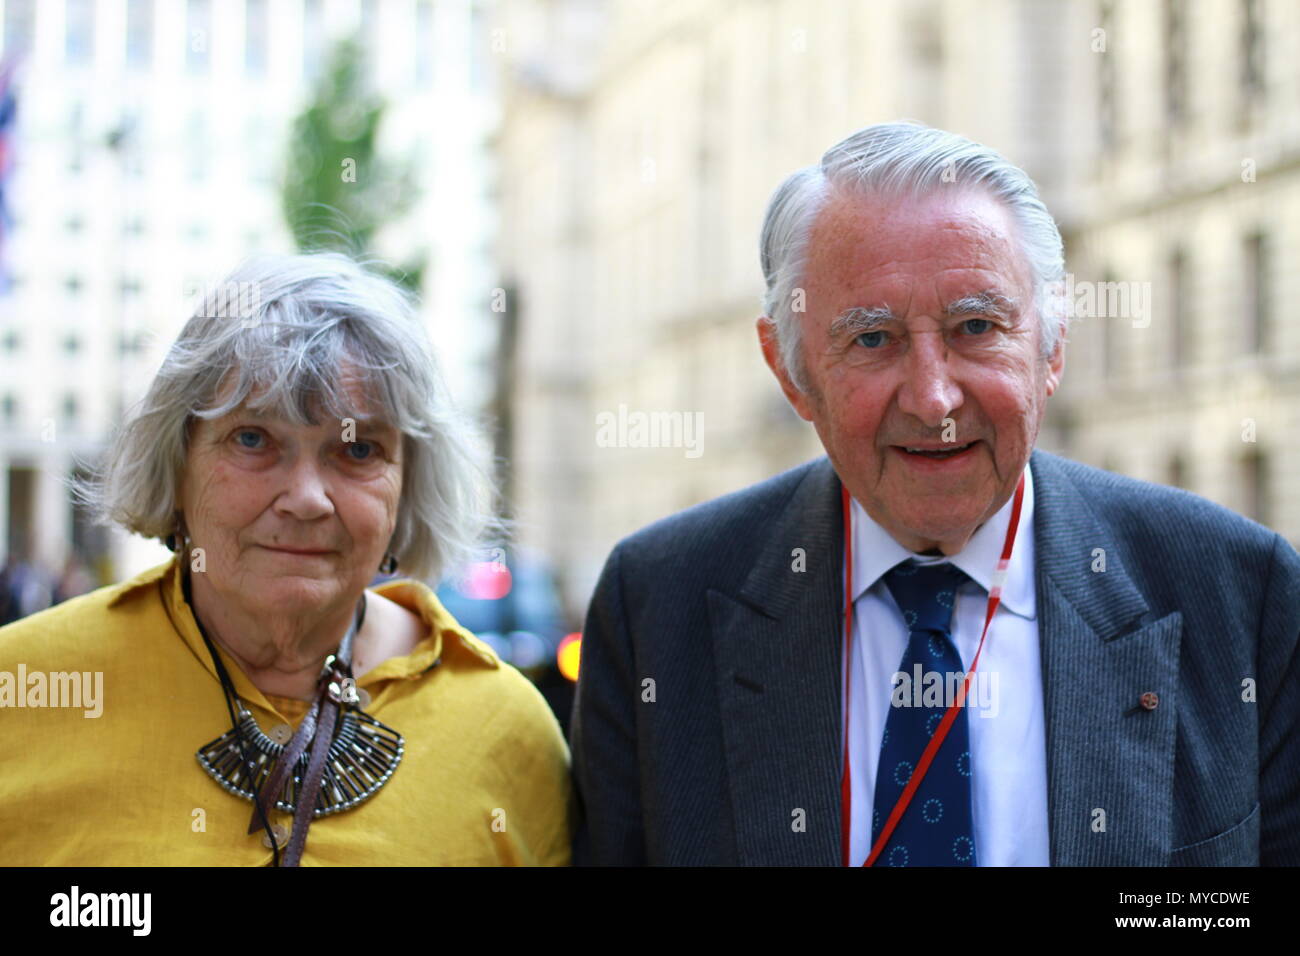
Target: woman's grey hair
(897, 159)
(281, 329)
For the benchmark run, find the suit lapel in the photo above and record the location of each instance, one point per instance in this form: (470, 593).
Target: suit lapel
(1109, 760)
(777, 646)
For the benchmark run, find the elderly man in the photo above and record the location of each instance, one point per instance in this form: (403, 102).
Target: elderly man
(1037, 663)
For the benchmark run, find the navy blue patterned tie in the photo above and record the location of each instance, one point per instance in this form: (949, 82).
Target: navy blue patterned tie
(936, 829)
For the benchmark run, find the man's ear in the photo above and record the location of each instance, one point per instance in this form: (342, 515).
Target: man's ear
(772, 355)
(1056, 363)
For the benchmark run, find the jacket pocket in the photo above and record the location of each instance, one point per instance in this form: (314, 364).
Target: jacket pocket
(1236, 846)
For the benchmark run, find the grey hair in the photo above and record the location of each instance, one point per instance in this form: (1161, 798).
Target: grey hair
(893, 160)
(280, 328)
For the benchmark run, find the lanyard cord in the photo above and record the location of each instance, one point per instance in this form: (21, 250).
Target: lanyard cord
(927, 757)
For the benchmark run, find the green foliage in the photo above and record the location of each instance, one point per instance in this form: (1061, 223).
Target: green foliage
(338, 192)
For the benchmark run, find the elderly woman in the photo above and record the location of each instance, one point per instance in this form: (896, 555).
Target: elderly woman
(252, 702)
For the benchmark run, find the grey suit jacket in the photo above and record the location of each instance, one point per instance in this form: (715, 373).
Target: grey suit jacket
(708, 707)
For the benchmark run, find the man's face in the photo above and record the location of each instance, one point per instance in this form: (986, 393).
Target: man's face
(920, 330)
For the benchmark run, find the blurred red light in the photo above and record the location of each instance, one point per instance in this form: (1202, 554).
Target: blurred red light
(487, 581)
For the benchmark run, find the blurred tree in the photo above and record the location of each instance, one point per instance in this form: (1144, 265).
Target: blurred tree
(337, 191)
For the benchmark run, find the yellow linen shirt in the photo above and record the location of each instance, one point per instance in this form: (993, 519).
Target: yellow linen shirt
(484, 778)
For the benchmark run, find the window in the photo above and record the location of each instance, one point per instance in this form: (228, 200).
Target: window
(1252, 52)
(70, 408)
(1175, 61)
(73, 285)
(479, 38)
(128, 344)
(1179, 321)
(1107, 112)
(12, 341)
(139, 33)
(1177, 471)
(1256, 268)
(10, 409)
(198, 34)
(260, 153)
(20, 27)
(72, 343)
(1108, 329)
(424, 42)
(1254, 486)
(369, 24)
(80, 36)
(196, 135)
(255, 39)
(76, 124)
(313, 38)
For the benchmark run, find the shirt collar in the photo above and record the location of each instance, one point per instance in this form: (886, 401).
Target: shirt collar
(876, 552)
(413, 595)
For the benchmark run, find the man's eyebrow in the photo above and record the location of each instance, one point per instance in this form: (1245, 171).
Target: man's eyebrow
(860, 319)
(988, 302)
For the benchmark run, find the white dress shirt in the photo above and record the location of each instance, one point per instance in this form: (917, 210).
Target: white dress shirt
(1005, 705)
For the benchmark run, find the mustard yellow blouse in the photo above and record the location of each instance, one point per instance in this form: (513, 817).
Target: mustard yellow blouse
(484, 779)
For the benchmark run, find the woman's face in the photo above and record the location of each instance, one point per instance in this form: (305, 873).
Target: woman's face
(291, 518)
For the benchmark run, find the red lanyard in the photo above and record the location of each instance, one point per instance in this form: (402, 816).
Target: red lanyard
(936, 741)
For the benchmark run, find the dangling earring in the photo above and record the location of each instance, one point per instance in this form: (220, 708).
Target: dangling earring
(389, 564)
(170, 540)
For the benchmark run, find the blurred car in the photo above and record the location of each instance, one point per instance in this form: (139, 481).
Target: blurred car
(512, 604)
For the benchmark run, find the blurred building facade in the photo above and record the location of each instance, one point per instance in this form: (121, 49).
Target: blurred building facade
(149, 156)
(640, 142)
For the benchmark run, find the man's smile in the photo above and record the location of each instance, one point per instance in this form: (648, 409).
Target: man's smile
(936, 458)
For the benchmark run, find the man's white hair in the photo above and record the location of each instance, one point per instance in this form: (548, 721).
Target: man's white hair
(898, 159)
(280, 330)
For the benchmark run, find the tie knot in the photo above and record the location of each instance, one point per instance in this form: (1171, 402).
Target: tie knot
(925, 593)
